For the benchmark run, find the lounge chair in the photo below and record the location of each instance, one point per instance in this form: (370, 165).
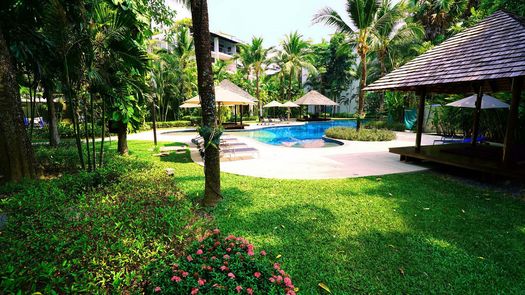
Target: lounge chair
(450, 140)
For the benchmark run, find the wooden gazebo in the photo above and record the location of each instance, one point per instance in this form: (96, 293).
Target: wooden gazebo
(486, 58)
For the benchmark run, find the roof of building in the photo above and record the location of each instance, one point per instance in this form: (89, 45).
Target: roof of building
(228, 37)
(315, 98)
(228, 85)
(491, 51)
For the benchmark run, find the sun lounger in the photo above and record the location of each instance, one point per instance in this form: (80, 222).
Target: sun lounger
(450, 140)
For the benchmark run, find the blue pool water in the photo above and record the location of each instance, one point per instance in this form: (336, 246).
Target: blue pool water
(308, 135)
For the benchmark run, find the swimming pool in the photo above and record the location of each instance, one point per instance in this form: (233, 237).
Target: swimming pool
(309, 135)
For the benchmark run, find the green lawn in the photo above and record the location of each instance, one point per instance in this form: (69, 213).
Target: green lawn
(411, 233)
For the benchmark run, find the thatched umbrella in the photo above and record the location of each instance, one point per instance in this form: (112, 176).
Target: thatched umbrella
(316, 99)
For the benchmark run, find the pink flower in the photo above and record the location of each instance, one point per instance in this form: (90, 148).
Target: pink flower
(228, 249)
(230, 237)
(189, 258)
(176, 279)
(194, 291)
(226, 256)
(199, 252)
(175, 266)
(185, 274)
(288, 282)
(231, 275)
(279, 279)
(239, 289)
(263, 253)
(257, 274)
(216, 231)
(291, 292)
(272, 280)
(276, 265)
(202, 282)
(213, 257)
(250, 250)
(249, 291)
(281, 272)
(157, 289)
(224, 267)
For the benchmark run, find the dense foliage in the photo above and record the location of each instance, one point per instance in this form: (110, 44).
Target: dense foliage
(348, 133)
(92, 232)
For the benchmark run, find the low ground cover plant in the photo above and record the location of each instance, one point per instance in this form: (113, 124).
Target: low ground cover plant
(347, 133)
(396, 126)
(92, 232)
(223, 265)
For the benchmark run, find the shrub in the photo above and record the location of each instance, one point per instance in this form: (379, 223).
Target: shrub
(218, 265)
(66, 130)
(396, 126)
(195, 120)
(348, 133)
(167, 124)
(93, 232)
(344, 115)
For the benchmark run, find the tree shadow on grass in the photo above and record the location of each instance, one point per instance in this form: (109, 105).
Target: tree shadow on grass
(484, 227)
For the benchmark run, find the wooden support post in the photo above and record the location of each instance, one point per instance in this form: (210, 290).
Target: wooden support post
(420, 118)
(512, 122)
(235, 112)
(241, 107)
(477, 113)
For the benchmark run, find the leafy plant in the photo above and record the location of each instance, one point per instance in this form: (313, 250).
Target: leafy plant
(222, 265)
(348, 133)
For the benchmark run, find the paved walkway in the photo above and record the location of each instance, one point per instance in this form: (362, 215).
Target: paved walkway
(353, 159)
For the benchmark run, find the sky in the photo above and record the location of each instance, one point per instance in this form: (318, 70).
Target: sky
(270, 19)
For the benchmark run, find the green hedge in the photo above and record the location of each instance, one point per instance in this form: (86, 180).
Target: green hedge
(396, 126)
(65, 130)
(168, 124)
(348, 133)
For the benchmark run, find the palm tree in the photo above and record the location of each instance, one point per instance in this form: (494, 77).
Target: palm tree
(256, 57)
(392, 35)
(294, 57)
(363, 19)
(438, 15)
(209, 130)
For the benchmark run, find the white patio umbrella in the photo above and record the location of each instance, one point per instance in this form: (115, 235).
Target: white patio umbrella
(273, 104)
(289, 105)
(487, 102)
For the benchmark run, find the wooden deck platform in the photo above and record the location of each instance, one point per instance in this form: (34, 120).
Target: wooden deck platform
(483, 158)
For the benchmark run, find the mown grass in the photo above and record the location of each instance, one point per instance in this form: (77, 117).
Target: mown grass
(410, 233)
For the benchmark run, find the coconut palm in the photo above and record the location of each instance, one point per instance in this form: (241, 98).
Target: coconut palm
(256, 58)
(294, 57)
(438, 15)
(364, 19)
(392, 36)
(209, 131)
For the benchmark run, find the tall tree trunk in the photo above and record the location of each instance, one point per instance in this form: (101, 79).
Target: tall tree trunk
(73, 111)
(122, 145)
(93, 135)
(54, 136)
(86, 134)
(103, 135)
(154, 120)
(258, 95)
(383, 72)
(17, 160)
(362, 85)
(201, 31)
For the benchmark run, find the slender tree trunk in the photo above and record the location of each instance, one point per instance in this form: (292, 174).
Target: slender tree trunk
(383, 72)
(362, 85)
(258, 95)
(199, 12)
(32, 99)
(290, 87)
(101, 158)
(154, 120)
(122, 145)
(17, 160)
(93, 135)
(54, 136)
(86, 134)
(73, 112)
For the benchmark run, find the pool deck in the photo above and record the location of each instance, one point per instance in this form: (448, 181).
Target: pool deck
(353, 159)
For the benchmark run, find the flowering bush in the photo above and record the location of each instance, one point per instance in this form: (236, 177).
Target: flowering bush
(219, 265)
